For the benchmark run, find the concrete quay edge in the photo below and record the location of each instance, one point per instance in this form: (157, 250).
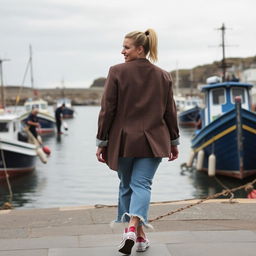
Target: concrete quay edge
(216, 227)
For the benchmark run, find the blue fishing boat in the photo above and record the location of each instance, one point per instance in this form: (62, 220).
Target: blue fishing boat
(68, 111)
(226, 143)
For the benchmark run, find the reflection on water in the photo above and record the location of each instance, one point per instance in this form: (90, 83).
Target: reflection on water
(21, 186)
(72, 175)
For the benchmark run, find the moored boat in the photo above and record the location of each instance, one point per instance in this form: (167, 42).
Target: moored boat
(68, 111)
(17, 156)
(45, 118)
(190, 117)
(227, 141)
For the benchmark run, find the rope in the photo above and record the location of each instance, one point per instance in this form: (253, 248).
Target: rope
(6, 205)
(223, 193)
(225, 187)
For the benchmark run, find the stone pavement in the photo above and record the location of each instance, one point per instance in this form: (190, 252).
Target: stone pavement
(212, 228)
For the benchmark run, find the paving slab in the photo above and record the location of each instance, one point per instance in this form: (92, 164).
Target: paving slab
(71, 230)
(160, 249)
(39, 243)
(41, 252)
(212, 249)
(224, 236)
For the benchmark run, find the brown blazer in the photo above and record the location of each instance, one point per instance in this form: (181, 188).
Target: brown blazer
(138, 114)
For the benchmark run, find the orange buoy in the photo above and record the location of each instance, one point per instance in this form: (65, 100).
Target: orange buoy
(46, 150)
(252, 194)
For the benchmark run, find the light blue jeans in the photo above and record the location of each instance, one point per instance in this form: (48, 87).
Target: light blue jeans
(136, 175)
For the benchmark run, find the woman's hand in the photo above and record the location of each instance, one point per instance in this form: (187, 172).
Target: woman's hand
(99, 154)
(174, 153)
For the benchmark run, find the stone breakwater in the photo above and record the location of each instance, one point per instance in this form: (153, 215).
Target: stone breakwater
(79, 96)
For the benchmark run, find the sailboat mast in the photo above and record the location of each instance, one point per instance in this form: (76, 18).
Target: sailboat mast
(223, 62)
(31, 66)
(177, 80)
(2, 82)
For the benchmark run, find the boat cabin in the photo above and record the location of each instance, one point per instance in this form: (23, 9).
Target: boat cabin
(9, 126)
(220, 98)
(40, 104)
(186, 103)
(65, 101)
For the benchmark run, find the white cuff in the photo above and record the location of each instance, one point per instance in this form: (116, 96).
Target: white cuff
(175, 142)
(101, 143)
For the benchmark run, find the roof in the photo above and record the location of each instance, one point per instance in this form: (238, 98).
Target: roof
(38, 101)
(225, 84)
(7, 116)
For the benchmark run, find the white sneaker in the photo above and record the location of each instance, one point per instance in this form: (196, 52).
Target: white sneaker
(128, 241)
(142, 244)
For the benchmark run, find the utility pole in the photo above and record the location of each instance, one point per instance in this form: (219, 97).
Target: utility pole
(2, 82)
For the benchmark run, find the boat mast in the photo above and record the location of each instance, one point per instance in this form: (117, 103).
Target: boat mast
(177, 80)
(31, 66)
(2, 82)
(63, 88)
(223, 62)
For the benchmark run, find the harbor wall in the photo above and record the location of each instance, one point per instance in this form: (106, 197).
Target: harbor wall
(78, 96)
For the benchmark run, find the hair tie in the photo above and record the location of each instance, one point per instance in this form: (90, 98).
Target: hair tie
(147, 33)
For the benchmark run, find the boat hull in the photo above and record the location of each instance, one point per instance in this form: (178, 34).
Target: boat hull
(234, 150)
(68, 113)
(17, 158)
(47, 122)
(189, 118)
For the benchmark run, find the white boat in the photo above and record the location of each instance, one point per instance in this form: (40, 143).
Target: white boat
(45, 118)
(17, 156)
(186, 103)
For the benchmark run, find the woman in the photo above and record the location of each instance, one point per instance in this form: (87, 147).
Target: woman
(137, 127)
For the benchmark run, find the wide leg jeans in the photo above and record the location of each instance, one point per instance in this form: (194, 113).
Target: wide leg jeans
(136, 175)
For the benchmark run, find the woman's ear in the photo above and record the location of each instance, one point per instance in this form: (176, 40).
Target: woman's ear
(140, 50)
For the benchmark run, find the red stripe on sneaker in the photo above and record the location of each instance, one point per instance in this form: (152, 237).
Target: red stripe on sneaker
(140, 239)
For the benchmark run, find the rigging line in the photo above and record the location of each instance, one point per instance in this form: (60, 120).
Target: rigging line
(6, 175)
(22, 84)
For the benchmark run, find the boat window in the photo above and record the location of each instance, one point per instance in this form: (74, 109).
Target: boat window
(218, 96)
(28, 108)
(4, 127)
(43, 106)
(238, 92)
(35, 106)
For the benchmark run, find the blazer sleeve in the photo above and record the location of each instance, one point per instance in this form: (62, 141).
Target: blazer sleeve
(170, 117)
(108, 109)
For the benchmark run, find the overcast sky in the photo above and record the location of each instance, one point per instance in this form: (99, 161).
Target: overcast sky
(78, 40)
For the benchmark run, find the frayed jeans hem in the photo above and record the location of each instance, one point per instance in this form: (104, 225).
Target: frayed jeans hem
(124, 220)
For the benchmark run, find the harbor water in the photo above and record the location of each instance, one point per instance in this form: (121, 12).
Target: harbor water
(73, 177)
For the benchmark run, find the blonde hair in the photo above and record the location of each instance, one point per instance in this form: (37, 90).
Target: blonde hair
(148, 40)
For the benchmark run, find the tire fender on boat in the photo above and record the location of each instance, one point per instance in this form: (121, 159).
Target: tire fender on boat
(212, 165)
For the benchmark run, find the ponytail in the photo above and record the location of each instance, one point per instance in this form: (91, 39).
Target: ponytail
(152, 38)
(148, 40)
